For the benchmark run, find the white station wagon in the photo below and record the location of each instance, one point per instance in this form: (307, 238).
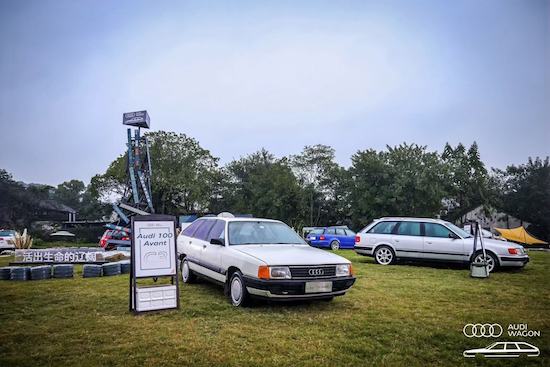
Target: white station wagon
(388, 239)
(263, 258)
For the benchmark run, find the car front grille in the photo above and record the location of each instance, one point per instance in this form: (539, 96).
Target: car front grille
(312, 272)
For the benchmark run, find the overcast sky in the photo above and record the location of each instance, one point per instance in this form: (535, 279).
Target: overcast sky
(240, 75)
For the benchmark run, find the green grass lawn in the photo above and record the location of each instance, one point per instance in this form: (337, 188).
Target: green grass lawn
(403, 315)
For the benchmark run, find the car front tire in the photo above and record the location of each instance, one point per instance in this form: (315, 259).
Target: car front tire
(384, 255)
(187, 275)
(334, 245)
(492, 262)
(237, 290)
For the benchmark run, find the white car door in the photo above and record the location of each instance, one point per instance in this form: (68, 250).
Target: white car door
(212, 253)
(440, 243)
(408, 240)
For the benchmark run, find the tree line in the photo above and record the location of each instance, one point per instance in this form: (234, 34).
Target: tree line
(311, 189)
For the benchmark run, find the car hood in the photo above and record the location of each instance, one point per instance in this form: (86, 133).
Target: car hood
(488, 242)
(290, 254)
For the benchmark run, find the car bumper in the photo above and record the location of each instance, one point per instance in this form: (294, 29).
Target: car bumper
(294, 289)
(514, 261)
(365, 250)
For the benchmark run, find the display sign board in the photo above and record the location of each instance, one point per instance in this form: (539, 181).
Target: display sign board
(155, 248)
(153, 241)
(71, 255)
(137, 119)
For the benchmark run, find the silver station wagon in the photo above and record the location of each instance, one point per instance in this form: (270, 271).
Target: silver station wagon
(389, 239)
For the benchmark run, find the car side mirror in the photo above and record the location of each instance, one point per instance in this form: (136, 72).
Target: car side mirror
(453, 236)
(217, 241)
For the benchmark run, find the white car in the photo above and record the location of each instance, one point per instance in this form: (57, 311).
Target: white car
(7, 240)
(504, 350)
(263, 258)
(388, 239)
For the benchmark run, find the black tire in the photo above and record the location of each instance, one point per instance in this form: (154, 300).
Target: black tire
(187, 275)
(238, 295)
(384, 255)
(335, 245)
(491, 258)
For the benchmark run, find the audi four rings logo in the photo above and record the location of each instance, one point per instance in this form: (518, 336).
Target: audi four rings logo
(316, 272)
(482, 330)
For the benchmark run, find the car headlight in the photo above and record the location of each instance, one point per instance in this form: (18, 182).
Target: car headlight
(343, 270)
(279, 272)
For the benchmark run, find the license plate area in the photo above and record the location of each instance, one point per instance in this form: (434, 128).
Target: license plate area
(318, 287)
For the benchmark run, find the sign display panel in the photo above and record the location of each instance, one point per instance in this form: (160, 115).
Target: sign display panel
(155, 248)
(137, 119)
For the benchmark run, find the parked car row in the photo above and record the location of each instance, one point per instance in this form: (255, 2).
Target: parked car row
(264, 258)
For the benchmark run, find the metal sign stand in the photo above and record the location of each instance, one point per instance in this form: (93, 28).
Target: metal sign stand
(478, 270)
(157, 297)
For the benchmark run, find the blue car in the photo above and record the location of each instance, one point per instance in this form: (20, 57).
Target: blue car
(332, 237)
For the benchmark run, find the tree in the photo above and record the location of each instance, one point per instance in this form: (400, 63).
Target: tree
(320, 177)
(405, 180)
(184, 174)
(467, 180)
(525, 193)
(261, 185)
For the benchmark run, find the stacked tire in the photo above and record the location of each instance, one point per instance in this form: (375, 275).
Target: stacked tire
(125, 266)
(63, 271)
(41, 272)
(20, 273)
(92, 271)
(111, 269)
(5, 273)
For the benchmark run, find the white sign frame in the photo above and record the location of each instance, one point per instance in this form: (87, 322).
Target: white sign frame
(154, 255)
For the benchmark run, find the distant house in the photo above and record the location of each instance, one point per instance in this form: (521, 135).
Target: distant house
(54, 211)
(491, 218)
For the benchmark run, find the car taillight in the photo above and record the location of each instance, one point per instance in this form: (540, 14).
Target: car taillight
(102, 242)
(126, 238)
(322, 238)
(357, 239)
(513, 251)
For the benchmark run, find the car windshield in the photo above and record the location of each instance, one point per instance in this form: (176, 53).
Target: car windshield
(261, 233)
(7, 233)
(462, 233)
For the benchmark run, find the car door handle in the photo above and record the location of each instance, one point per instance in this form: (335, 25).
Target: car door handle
(203, 246)
(428, 242)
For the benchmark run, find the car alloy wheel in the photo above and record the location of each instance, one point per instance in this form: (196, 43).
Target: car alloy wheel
(491, 261)
(237, 290)
(334, 245)
(384, 255)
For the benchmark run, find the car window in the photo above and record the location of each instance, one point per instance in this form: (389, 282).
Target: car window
(436, 230)
(330, 231)
(499, 346)
(350, 232)
(383, 228)
(524, 346)
(189, 231)
(511, 346)
(317, 231)
(340, 232)
(202, 231)
(260, 233)
(217, 231)
(7, 233)
(409, 229)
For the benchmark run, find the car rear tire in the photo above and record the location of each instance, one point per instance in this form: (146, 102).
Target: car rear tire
(334, 245)
(492, 262)
(187, 275)
(237, 290)
(384, 255)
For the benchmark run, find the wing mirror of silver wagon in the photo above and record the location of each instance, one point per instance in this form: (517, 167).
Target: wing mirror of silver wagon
(217, 241)
(453, 236)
